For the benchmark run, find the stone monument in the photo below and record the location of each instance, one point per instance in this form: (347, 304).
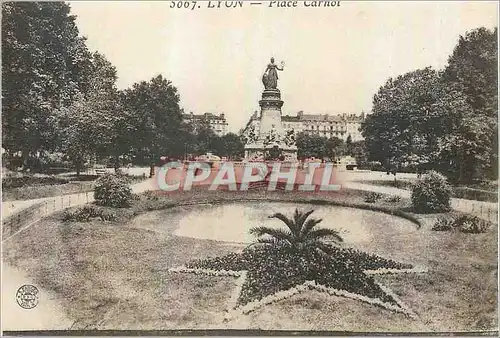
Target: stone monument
(271, 141)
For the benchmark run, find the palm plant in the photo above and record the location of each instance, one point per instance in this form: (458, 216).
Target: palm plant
(299, 235)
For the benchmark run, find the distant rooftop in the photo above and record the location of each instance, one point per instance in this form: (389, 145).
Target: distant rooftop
(210, 116)
(300, 116)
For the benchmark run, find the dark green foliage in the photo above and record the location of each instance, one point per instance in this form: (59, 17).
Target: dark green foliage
(112, 191)
(372, 197)
(443, 224)
(318, 147)
(229, 145)
(404, 123)
(471, 224)
(431, 194)
(44, 65)
(465, 223)
(87, 213)
(300, 234)
(393, 199)
(154, 119)
(447, 120)
(275, 268)
(89, 125)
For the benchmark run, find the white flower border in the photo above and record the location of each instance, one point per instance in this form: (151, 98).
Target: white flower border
(385, 271)
(234, 310)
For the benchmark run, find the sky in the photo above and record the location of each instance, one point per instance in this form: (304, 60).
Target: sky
(335, 58)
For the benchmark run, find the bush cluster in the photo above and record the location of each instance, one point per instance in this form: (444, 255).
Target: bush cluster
(471, 224)
(465, 223)
(372, 197)
(431, 194)
(87, 213)
(112, 191)
(393, 199)
(443, 224)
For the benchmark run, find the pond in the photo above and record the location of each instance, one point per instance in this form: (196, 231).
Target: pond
(232, 222)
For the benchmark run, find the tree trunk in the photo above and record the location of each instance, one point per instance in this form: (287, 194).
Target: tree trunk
(461, 172)
(24, 156)
(78, 168)
(116, 164)
(151, 170)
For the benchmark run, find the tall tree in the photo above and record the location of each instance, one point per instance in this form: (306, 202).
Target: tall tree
(472, 70)
(348, 144)
(156, 119)
(405, 129)
(230, 146)
(359, 152)
(310, 146)
(44, 61)
(205, 139)
(335, 147)
(91, 126)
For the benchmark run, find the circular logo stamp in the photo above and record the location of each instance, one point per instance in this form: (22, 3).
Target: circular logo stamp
(27, 296)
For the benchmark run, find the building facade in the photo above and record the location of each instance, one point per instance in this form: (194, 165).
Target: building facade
(217, 122)
(324, 125)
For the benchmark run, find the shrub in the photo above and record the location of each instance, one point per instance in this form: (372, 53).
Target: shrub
(471, 224)
(372, 197)
(151, 196)
(88, 212)
(466, 223)
(443, 224)
(393, 199)
(112, 191)
(431, 194)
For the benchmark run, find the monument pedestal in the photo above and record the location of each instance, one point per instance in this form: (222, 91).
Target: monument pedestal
(271, 138)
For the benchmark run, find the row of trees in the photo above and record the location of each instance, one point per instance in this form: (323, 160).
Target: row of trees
(321, 147)
(58, 97)
(444, 120)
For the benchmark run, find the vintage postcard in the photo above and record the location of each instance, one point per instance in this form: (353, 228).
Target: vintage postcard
(249, 168)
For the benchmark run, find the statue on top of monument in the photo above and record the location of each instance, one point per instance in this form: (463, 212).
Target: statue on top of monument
(270, 77)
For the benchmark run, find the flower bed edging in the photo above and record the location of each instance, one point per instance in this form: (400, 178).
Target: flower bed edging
(402, 305)
(384, 271)
(234, 311)
(355, 296)
(233, 301)
(209, 272)
(276, 297)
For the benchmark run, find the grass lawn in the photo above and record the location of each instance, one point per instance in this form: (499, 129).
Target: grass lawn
(110, 275)
(33, 192)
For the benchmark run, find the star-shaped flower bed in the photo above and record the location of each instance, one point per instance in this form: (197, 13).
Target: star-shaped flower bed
(270, 271)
